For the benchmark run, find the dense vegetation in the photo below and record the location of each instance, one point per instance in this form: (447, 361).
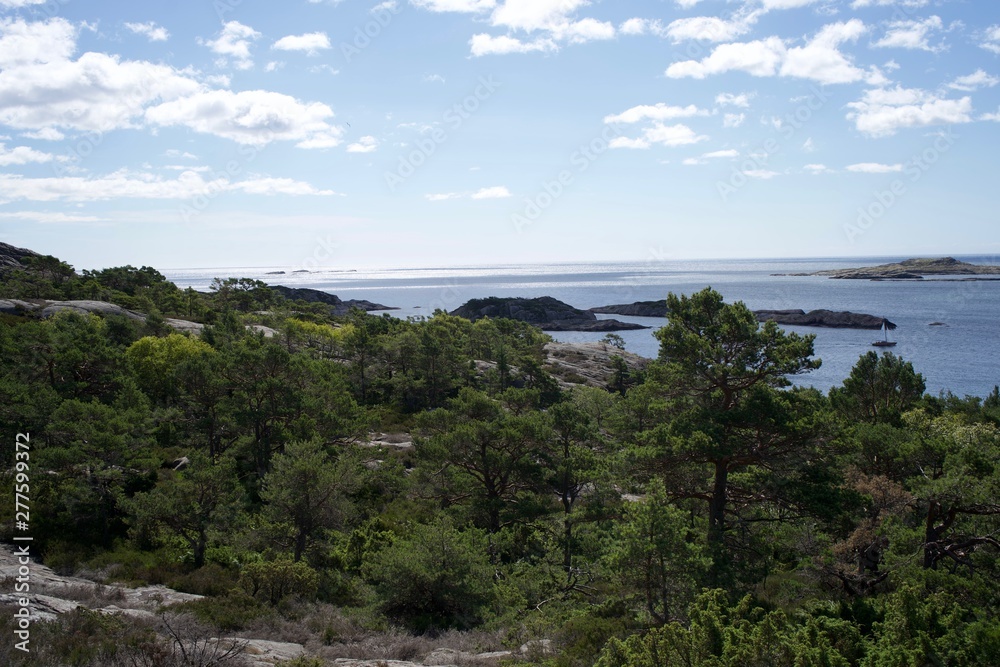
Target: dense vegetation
(701, 514)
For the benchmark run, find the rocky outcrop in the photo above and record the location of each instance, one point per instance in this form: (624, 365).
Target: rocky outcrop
(87, 307)
(912, 269)
(823, 318)
(637, 309)
(543, 312)
(337, 305)
(589, 364)
(12, 257)
(813, 318)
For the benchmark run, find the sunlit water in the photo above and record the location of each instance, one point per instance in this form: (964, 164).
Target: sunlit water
(963, 356)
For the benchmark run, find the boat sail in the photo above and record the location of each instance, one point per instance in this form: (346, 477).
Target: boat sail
(886, 327)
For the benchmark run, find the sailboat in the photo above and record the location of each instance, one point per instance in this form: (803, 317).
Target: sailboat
(885, 342)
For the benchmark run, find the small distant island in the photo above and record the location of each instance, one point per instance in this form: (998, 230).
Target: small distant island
(337, 305)
(813, 318)
(545, 312)
(910, 269)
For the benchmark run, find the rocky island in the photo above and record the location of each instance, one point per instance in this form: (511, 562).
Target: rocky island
(813, 318)
(544, 312)
(337, 305)
(911, 269)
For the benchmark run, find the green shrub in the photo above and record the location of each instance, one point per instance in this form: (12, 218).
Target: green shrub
(273, 581)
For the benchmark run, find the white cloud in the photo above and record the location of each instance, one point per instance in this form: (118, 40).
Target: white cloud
(464, 6)
(995, 117)
(885, 3)
(365, 144)
(974, 81)
(48, 217)
(640, 26)
(733, 119)
(882, 112)
(531, 15)
(45, 134)
(729, 153)
(761, 174)
(911, 34)
(729, 99)
(153, 32)
(686, 4)
(311, 42)
(664, 135)
(254, 117)
(41, 42)
(658, 111)
(758, 58)
(15, 4)
(991, 39)
(707, 29)
(21, 155)
(874, 168)
(818, 60)
(786, 4)
(817, 169)
(585, 30)
(233, 43)
(495, 192)
(123, 184)
(484, 44)
(433, 78)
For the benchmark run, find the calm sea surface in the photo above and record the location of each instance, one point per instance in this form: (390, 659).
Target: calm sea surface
(963, 356)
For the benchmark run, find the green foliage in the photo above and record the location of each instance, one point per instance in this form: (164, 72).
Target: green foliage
(273, 581)
(879, 389)
(435, 576)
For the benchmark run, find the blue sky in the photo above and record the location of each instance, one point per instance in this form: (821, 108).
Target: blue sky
(449, 132)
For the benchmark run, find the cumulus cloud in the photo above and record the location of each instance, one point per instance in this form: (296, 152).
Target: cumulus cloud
(818, 60)
(22, 155)
(975, 81)
(494, 192)
(150, 30)
(817, 169)
(553, 20)
(123, 184)
(874, 168)
(463, 6)
(254, 117)
(233, 45)
(707, 28)
(733, 119)
(660, 134)
(658, 111)
(911, 34)
(857, 4)
(882, 112)
(311, 42)
(483, 44)
(991, 39)
(729, 99)
(24, 43)
(366, 144)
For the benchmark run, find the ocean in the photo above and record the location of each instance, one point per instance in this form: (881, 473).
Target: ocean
(960, 355)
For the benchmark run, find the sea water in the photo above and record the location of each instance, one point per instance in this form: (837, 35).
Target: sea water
(948, 328)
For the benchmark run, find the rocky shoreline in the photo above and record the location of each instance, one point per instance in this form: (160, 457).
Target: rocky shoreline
(916, 269)
(798, 317)
(545, 312)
